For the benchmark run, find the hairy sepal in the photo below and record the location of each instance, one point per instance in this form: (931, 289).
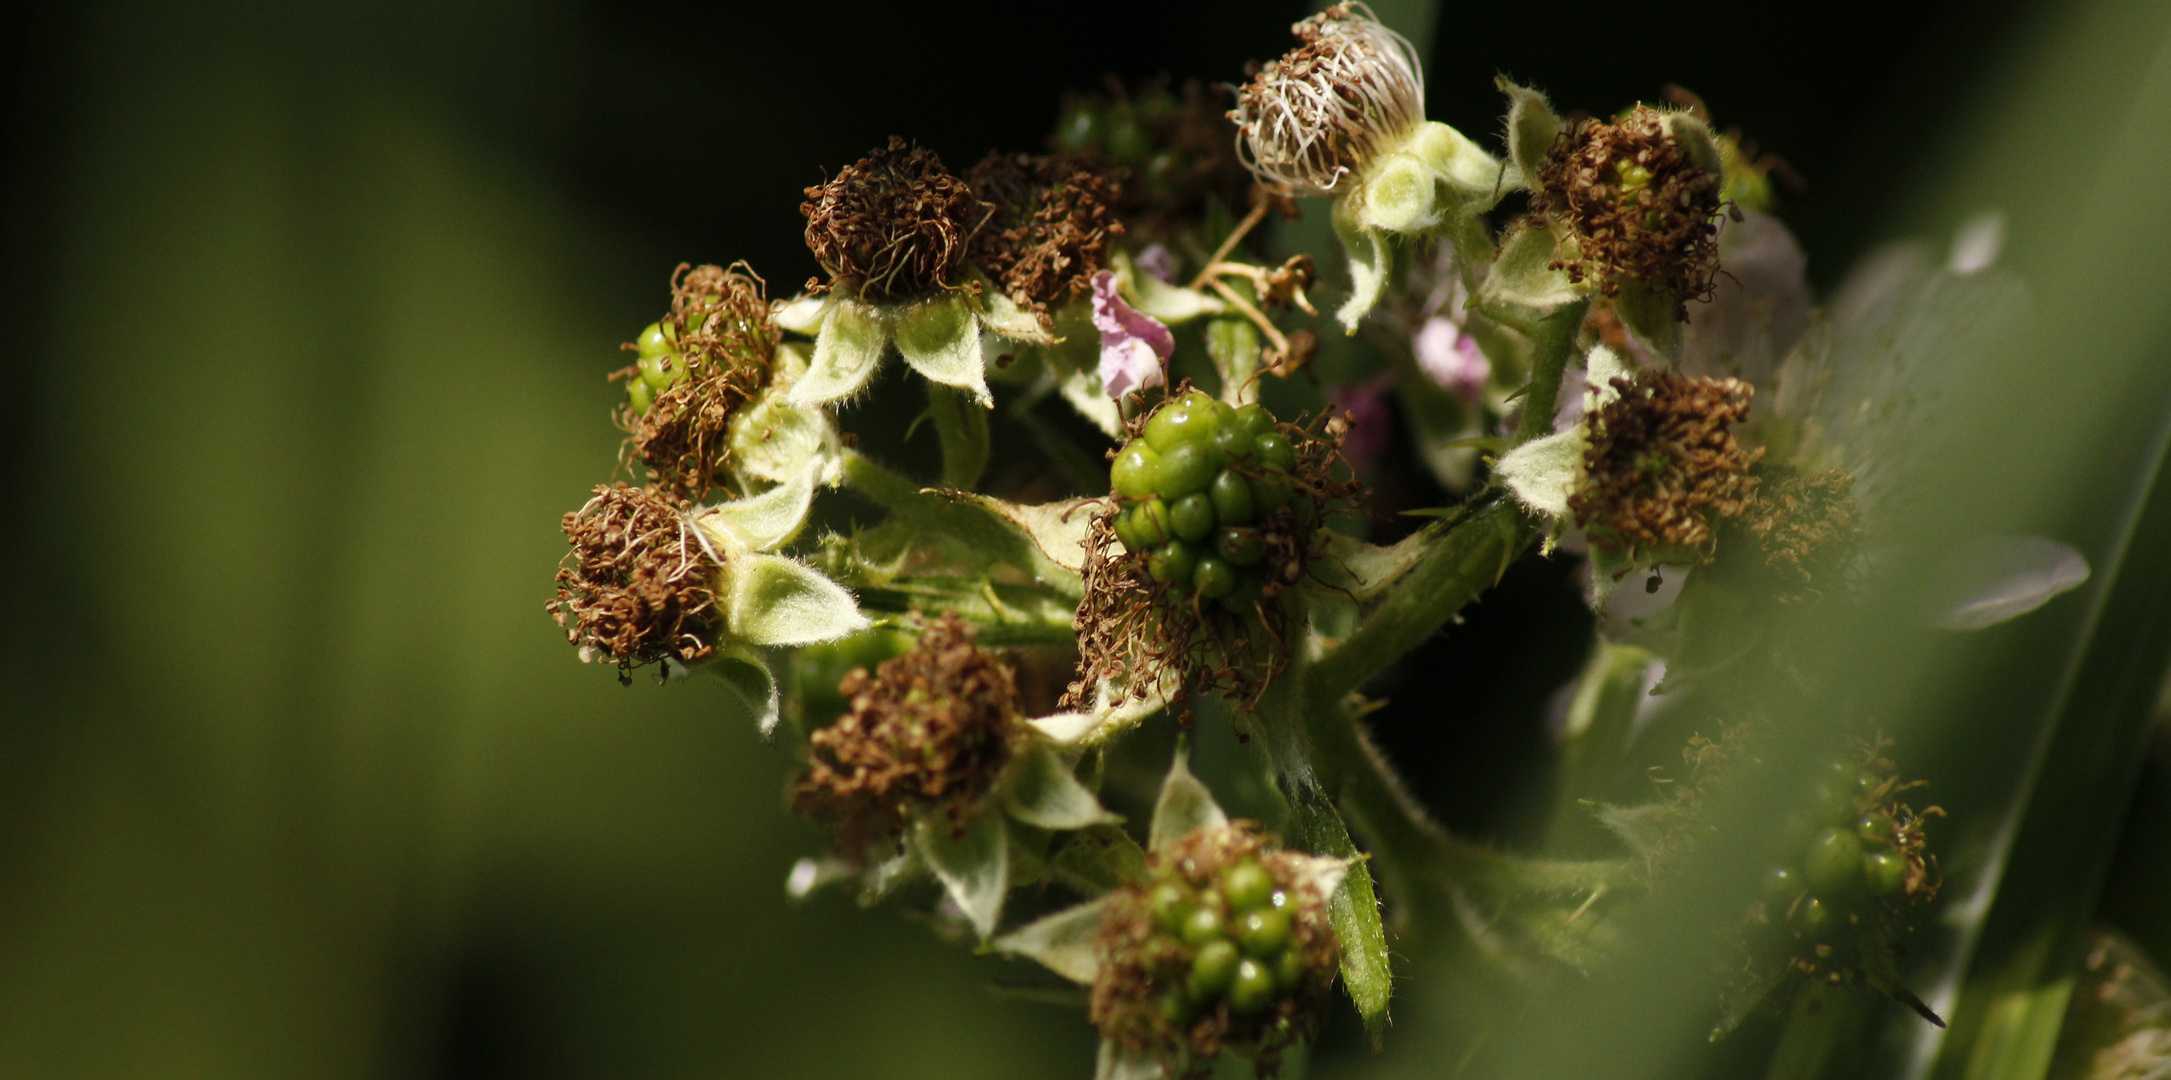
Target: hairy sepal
(940, 339)
(1371, 263)
(1522, 276)
(1532, 128)
(847, 349)
(1184, 807)
(1062, 942)
(772, 600)
(1543, 473)
(973, 866)
(1039, 789)
(748, 675)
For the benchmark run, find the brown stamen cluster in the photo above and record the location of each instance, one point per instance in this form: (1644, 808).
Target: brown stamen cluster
(1804, 528)
(895, 225)
(637, 588)
(1323, 110)
(1642, 208)
(927, 732)
(720, 320)
(1137, 629)
(1140, 1000)
(1663, 464)
(1054, 223)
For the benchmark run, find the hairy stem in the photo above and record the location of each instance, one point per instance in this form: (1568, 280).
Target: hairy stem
(1554, 336)
(963, 428)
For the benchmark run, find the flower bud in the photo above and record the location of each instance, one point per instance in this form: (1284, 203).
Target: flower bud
(1325, 110)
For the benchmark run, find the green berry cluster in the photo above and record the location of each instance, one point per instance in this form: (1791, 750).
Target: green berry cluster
(1201, 488)
(658, 365)
(1845, 900)
(1221, 946)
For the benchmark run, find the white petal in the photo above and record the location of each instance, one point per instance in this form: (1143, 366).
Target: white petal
(974, 867)
(775, 601)
(846, 353)
(1992, 579)
(1544, 472)
(1039, 789)
(1064, 941)
(940, 338)
(1184, 806)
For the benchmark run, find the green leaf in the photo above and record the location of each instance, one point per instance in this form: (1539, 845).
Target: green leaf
(846, 352)
(775, 601)
(748, 675)
(1352, 909)
(940, 339)
(1063, 942)
(973, 865)
(1184, 806)
(1039, 789)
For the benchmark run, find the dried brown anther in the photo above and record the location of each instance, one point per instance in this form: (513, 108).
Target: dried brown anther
(1663, 465)
(894, 225)
(1642, 208)
(1320, 113)
(720, 321)
(637, 588)
(1053, 225)
(927, 732)
(1804, 529)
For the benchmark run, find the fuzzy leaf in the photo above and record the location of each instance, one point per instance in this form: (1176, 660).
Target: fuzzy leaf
(1058, 529)
(1543, 473)
(1371, 261)
(1184, 806)
(1522, 276)
(748, 675)
(1532, 128)
(1040, 790)
(1993, 579)
(775, 601)
(1063, 942)
(846, 352)
(759, 522)
(974, 867)
(940, 338)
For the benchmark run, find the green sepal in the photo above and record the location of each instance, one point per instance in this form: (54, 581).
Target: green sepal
(940, 339)
(1371, 263)
(1533, 127)
(774, 440)
(1063, 942)
(758, 522)
(772, 600)
(974, 867)
(1352, 909)
(1522, 275)
(1100, 859)
(1474, 180)
(1116, 1063)
(847, 349)
(747, 673)
(1649, 312)
(1039, 789)
(1543, 473)
(1184, 807)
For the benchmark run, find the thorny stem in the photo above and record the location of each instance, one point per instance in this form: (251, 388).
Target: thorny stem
(963, 428)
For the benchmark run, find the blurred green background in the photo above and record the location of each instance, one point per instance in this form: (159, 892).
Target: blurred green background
(309, 308)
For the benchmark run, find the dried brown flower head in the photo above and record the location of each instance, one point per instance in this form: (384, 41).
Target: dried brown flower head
(1148, 996)
(1054, 222)
(1328, 107)
(1663, 464)
(1642, 208)
(927, 731)
(720, 322)
(1804, 529)
(894, 225)
(638, 587)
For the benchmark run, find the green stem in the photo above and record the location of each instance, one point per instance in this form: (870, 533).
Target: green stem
(962, 425)
(1554, 337)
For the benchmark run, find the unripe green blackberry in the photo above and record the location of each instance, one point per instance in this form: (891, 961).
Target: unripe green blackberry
(1226, 945)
